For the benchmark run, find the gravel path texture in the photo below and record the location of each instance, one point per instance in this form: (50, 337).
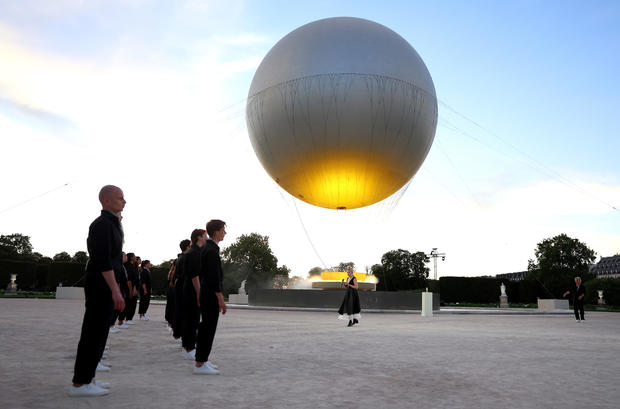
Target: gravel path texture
(302, 359)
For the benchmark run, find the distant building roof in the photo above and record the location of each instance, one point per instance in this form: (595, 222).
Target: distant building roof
(520, 275)
(607, 267)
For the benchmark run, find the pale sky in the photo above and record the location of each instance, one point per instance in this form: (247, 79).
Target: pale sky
(150, 96)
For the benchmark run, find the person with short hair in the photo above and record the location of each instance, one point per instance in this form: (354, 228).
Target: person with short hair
(146, 282)
(102, 293)
(211, 299)
(579, 293)
(191, 290)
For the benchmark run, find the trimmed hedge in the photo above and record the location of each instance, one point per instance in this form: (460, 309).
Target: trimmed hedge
(486, 290)
(41, 276)
(47, 276)
(610, 287)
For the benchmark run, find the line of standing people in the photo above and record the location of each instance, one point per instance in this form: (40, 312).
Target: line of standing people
(195, 297)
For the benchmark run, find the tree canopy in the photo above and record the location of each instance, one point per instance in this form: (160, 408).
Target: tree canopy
(62, 256)
(253, 251)
(558, 260)
(15, 246)
(401, 270)
(315, 271)
(80, 257)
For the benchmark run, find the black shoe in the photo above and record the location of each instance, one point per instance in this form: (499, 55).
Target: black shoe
(355, 321)
(350, 323)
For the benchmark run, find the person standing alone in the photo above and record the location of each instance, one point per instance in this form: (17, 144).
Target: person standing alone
(102, 293)
(579, 293)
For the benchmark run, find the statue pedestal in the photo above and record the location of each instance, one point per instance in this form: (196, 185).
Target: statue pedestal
(427, 304)
(552, 304)
(503, 301)
(11, 288)
(70, 293)
(238, 299)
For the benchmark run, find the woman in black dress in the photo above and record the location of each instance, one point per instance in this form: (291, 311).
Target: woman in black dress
(350, 307)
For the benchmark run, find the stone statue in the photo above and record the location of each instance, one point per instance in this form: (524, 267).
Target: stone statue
(242, 288)
(503, 289)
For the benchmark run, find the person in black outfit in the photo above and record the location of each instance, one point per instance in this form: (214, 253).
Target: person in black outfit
(134, 285)
(579, 293)
(170, 300)
(350, 307)
(145, 289)
(191, 289)
(179, 310)
(211, 300)
(102, 293)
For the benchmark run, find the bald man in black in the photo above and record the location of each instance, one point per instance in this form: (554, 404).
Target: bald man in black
(103, 295)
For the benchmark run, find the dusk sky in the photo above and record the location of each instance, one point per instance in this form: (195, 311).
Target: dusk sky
(150, 96)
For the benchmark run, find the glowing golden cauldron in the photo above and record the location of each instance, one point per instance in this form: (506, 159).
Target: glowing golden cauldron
(332, 280)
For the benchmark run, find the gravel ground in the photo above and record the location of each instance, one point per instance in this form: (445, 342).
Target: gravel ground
(301, 359)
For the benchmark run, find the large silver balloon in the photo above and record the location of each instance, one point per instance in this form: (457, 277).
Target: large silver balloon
(342, 112)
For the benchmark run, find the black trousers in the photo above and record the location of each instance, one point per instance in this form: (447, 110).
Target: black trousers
(578, 308)
(191, 315)
(210, 311)
(115, 316)
(95, 327)
(130, 307)
(178, 319)
(145, 301)
(170, 301)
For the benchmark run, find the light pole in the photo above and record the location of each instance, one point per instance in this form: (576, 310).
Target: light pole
(435, 254)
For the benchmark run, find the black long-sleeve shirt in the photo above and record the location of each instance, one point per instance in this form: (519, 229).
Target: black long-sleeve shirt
(105, 244)
(211, 274)
(576, 292)
(191, 267)
(132, 274)
(179, 272)
(146, 279)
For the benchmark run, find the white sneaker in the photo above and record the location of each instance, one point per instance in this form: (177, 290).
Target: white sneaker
(102, 368)
(106, 348)
(205, 370)
(212, 365)
(86, 390)
(145, 318)
(114, 330)
(130, 322)
(177, 340)
(191, 355)
(102, 384)
(169, 329)
(123, 326)
(578, 321)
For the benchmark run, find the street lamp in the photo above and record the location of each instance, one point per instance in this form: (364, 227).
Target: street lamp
(435, 254)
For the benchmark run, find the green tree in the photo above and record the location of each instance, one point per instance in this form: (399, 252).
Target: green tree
(558, 260)
(80, 257)
(166, 264)
(253, 251)
(345, 265)
(378, 271)
(315, 271)
(404, 270)
(62, 256)
(16, 246)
